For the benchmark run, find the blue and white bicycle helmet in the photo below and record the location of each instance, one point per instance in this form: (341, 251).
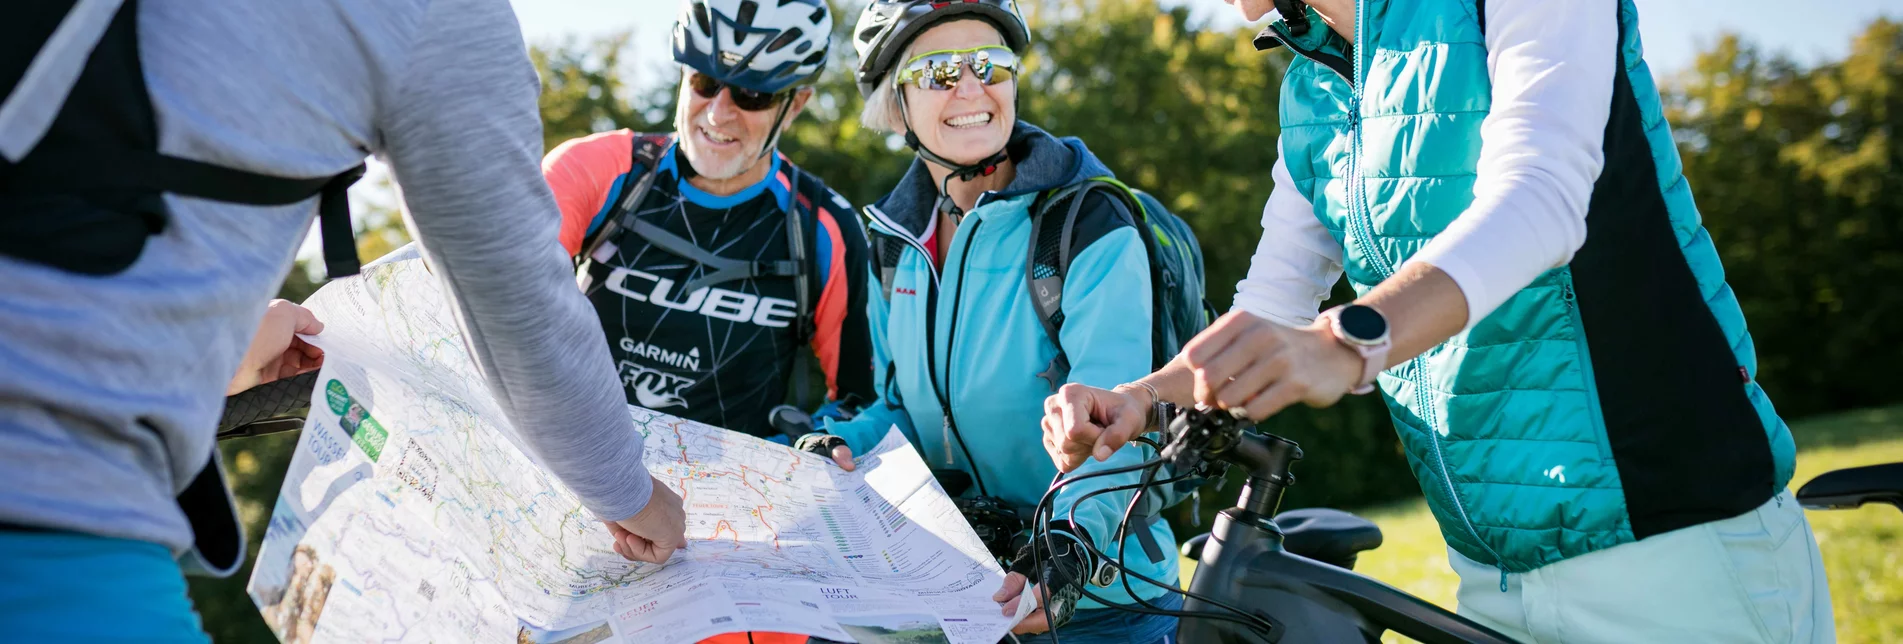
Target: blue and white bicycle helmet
(765, 46)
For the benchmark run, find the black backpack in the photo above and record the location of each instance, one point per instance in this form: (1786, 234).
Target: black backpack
(81, 185)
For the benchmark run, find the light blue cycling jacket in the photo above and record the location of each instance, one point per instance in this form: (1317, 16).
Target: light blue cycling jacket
(987, 346)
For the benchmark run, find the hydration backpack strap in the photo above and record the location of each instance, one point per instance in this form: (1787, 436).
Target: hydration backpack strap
(796, 249)
(887, 252)
(804, 361)
(1046, 265)
(598, 246)
(81, 177)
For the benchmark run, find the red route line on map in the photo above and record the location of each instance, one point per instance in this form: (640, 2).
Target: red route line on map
(759, 511)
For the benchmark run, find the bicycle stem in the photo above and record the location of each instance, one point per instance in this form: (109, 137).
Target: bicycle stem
(1267, 457)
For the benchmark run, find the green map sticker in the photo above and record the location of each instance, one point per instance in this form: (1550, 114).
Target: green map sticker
(371, 437)
(339, 399)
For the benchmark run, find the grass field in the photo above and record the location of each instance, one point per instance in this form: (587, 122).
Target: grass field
(1863, 548)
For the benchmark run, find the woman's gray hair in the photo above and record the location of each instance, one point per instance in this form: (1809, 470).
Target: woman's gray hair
(881, 112)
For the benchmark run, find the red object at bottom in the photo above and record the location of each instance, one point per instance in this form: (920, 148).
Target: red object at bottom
(756, 638)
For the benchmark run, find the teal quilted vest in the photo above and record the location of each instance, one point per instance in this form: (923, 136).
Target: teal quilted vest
(1539, 434)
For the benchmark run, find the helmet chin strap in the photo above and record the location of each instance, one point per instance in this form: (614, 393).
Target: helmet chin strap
(963, 172)
(773, 135)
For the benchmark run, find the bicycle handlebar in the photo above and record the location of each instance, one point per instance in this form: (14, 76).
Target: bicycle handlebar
(270, 408)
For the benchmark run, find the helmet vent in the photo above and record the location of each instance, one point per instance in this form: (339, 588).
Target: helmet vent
(786, 38)
(745, 16)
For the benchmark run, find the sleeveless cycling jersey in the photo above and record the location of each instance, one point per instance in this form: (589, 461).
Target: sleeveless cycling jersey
(724, 353)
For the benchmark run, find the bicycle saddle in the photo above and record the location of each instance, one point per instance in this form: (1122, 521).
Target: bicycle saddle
(1329, 536)
(1849, 488)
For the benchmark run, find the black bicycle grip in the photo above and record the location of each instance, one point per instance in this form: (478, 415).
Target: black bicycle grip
(277, 406)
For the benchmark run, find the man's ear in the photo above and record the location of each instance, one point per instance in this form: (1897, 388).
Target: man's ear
(799, 103)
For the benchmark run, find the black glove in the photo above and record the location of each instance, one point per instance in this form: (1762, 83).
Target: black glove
(1060, 564)
(820, 443)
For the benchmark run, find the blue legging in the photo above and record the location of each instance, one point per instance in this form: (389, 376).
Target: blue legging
(69, 587)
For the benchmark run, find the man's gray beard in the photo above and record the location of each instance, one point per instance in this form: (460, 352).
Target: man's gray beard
(683, 131)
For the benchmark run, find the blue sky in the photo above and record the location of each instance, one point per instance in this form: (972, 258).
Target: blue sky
(1674, 30)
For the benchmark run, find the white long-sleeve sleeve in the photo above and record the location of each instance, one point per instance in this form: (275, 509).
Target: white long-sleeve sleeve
(1296, 263)
(1552, 64)
(1541, 148)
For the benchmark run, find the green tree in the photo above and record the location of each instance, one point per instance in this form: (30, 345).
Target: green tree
(1796, 174)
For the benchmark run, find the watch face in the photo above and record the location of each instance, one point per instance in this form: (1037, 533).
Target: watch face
(1363, 323)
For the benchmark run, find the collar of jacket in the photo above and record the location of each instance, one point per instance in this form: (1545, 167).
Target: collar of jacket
(1042, 162)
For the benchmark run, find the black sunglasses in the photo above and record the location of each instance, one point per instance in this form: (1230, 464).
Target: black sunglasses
(743, 98)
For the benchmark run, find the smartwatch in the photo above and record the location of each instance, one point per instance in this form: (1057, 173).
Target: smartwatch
(1364, 330)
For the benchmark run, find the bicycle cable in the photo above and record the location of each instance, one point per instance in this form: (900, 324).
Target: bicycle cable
(1247, 619)
(1172, 613)
(1046, 508)
(1037, 511)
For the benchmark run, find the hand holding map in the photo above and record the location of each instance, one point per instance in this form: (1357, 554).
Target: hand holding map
(411, 513)
(653, 534)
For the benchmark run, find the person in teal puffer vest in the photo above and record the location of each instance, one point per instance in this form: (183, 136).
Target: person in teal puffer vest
(1539, 306)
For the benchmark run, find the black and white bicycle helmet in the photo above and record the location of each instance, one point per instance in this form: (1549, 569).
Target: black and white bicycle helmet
(886, 26)
(765, 46)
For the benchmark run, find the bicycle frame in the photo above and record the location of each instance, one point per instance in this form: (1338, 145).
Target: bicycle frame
(1303, 600)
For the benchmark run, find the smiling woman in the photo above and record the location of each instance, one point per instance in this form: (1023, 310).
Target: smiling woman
(956, 324)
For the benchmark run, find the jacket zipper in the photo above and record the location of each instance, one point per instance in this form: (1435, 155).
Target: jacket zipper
(951, 342)
(948, 434)
(1361, 229)
(1585, 358)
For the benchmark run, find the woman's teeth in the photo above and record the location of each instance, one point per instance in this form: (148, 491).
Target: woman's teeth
(969, 120)
(717, 137)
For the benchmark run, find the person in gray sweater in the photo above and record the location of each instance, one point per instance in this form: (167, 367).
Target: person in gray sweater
(110, 385)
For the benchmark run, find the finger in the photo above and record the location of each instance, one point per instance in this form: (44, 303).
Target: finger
(1013, 586)
(842, 455)
(673, 538)
(306, 321)
(1216, 374)
(615, 530)
(622, 549)
(307, 349)
(1067, 409)
(1115, 436)
(1048, 430)
(646, 550)
(1277, 398)
(1208, 344)
(1252, 381)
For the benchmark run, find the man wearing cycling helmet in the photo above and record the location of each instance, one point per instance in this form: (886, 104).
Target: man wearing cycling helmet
(1540, 308)
(714, 263)
(961, 347)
